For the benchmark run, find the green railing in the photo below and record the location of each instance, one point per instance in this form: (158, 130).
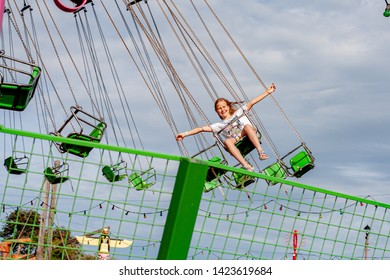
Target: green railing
(158, 208)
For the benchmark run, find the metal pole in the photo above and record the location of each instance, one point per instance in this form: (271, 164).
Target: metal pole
(366, 247)
(42, 225)
(50, 221)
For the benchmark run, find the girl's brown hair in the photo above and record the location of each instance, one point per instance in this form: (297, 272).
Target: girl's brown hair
(230, 104)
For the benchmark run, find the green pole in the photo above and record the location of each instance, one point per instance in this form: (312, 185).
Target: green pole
(183, 210)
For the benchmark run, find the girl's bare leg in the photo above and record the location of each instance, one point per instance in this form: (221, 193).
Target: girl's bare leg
(231, 147)
(252, 135)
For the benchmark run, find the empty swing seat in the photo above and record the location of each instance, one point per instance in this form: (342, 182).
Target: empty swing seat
(136, 180)
(54, 178)
(243, 180)
(83, 151)
(274, 170)
(209, 186)
(12, 167)
(111, 175)
(15, 96)
(213, 172)
(301, 163)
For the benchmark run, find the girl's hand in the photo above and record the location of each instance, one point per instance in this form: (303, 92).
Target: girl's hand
(180, 136)
(271, 88)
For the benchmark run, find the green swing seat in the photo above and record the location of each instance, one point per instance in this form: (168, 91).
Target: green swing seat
(14, 165)
(243, 180)
(301, 163)
(112, 174)
(245, 146)
(274, 170)
(16, 96)
(137, 181)
(209, 186)
(54, 177)
(213, 172)
(83, 151)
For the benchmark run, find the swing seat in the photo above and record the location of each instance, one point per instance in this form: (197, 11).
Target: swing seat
(245, 146)
(14, 168)
(213, 172)
(83, 151)
(301, 163)
(209, 186)
(54, 178)
(16, 96)
(112, 174)
(136, 180)
(243, 180)
(274, 170)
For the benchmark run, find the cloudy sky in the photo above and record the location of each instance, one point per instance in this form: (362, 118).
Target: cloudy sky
(328, 59)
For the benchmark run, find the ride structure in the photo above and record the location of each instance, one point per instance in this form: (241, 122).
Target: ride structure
(165, 206)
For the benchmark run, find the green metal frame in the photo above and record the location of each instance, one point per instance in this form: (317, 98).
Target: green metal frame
(322, 216)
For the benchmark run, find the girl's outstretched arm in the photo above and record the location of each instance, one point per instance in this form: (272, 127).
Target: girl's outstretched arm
(257, 99)
(180, 136)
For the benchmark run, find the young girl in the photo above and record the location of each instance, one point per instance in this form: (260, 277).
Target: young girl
(236, 130)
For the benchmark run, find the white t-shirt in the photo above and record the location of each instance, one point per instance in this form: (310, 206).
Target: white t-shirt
(234, 129)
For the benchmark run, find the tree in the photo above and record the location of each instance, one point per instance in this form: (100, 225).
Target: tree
(21, 224)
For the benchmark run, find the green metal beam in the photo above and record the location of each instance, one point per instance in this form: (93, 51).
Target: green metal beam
(183, 210)
(60, 139)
